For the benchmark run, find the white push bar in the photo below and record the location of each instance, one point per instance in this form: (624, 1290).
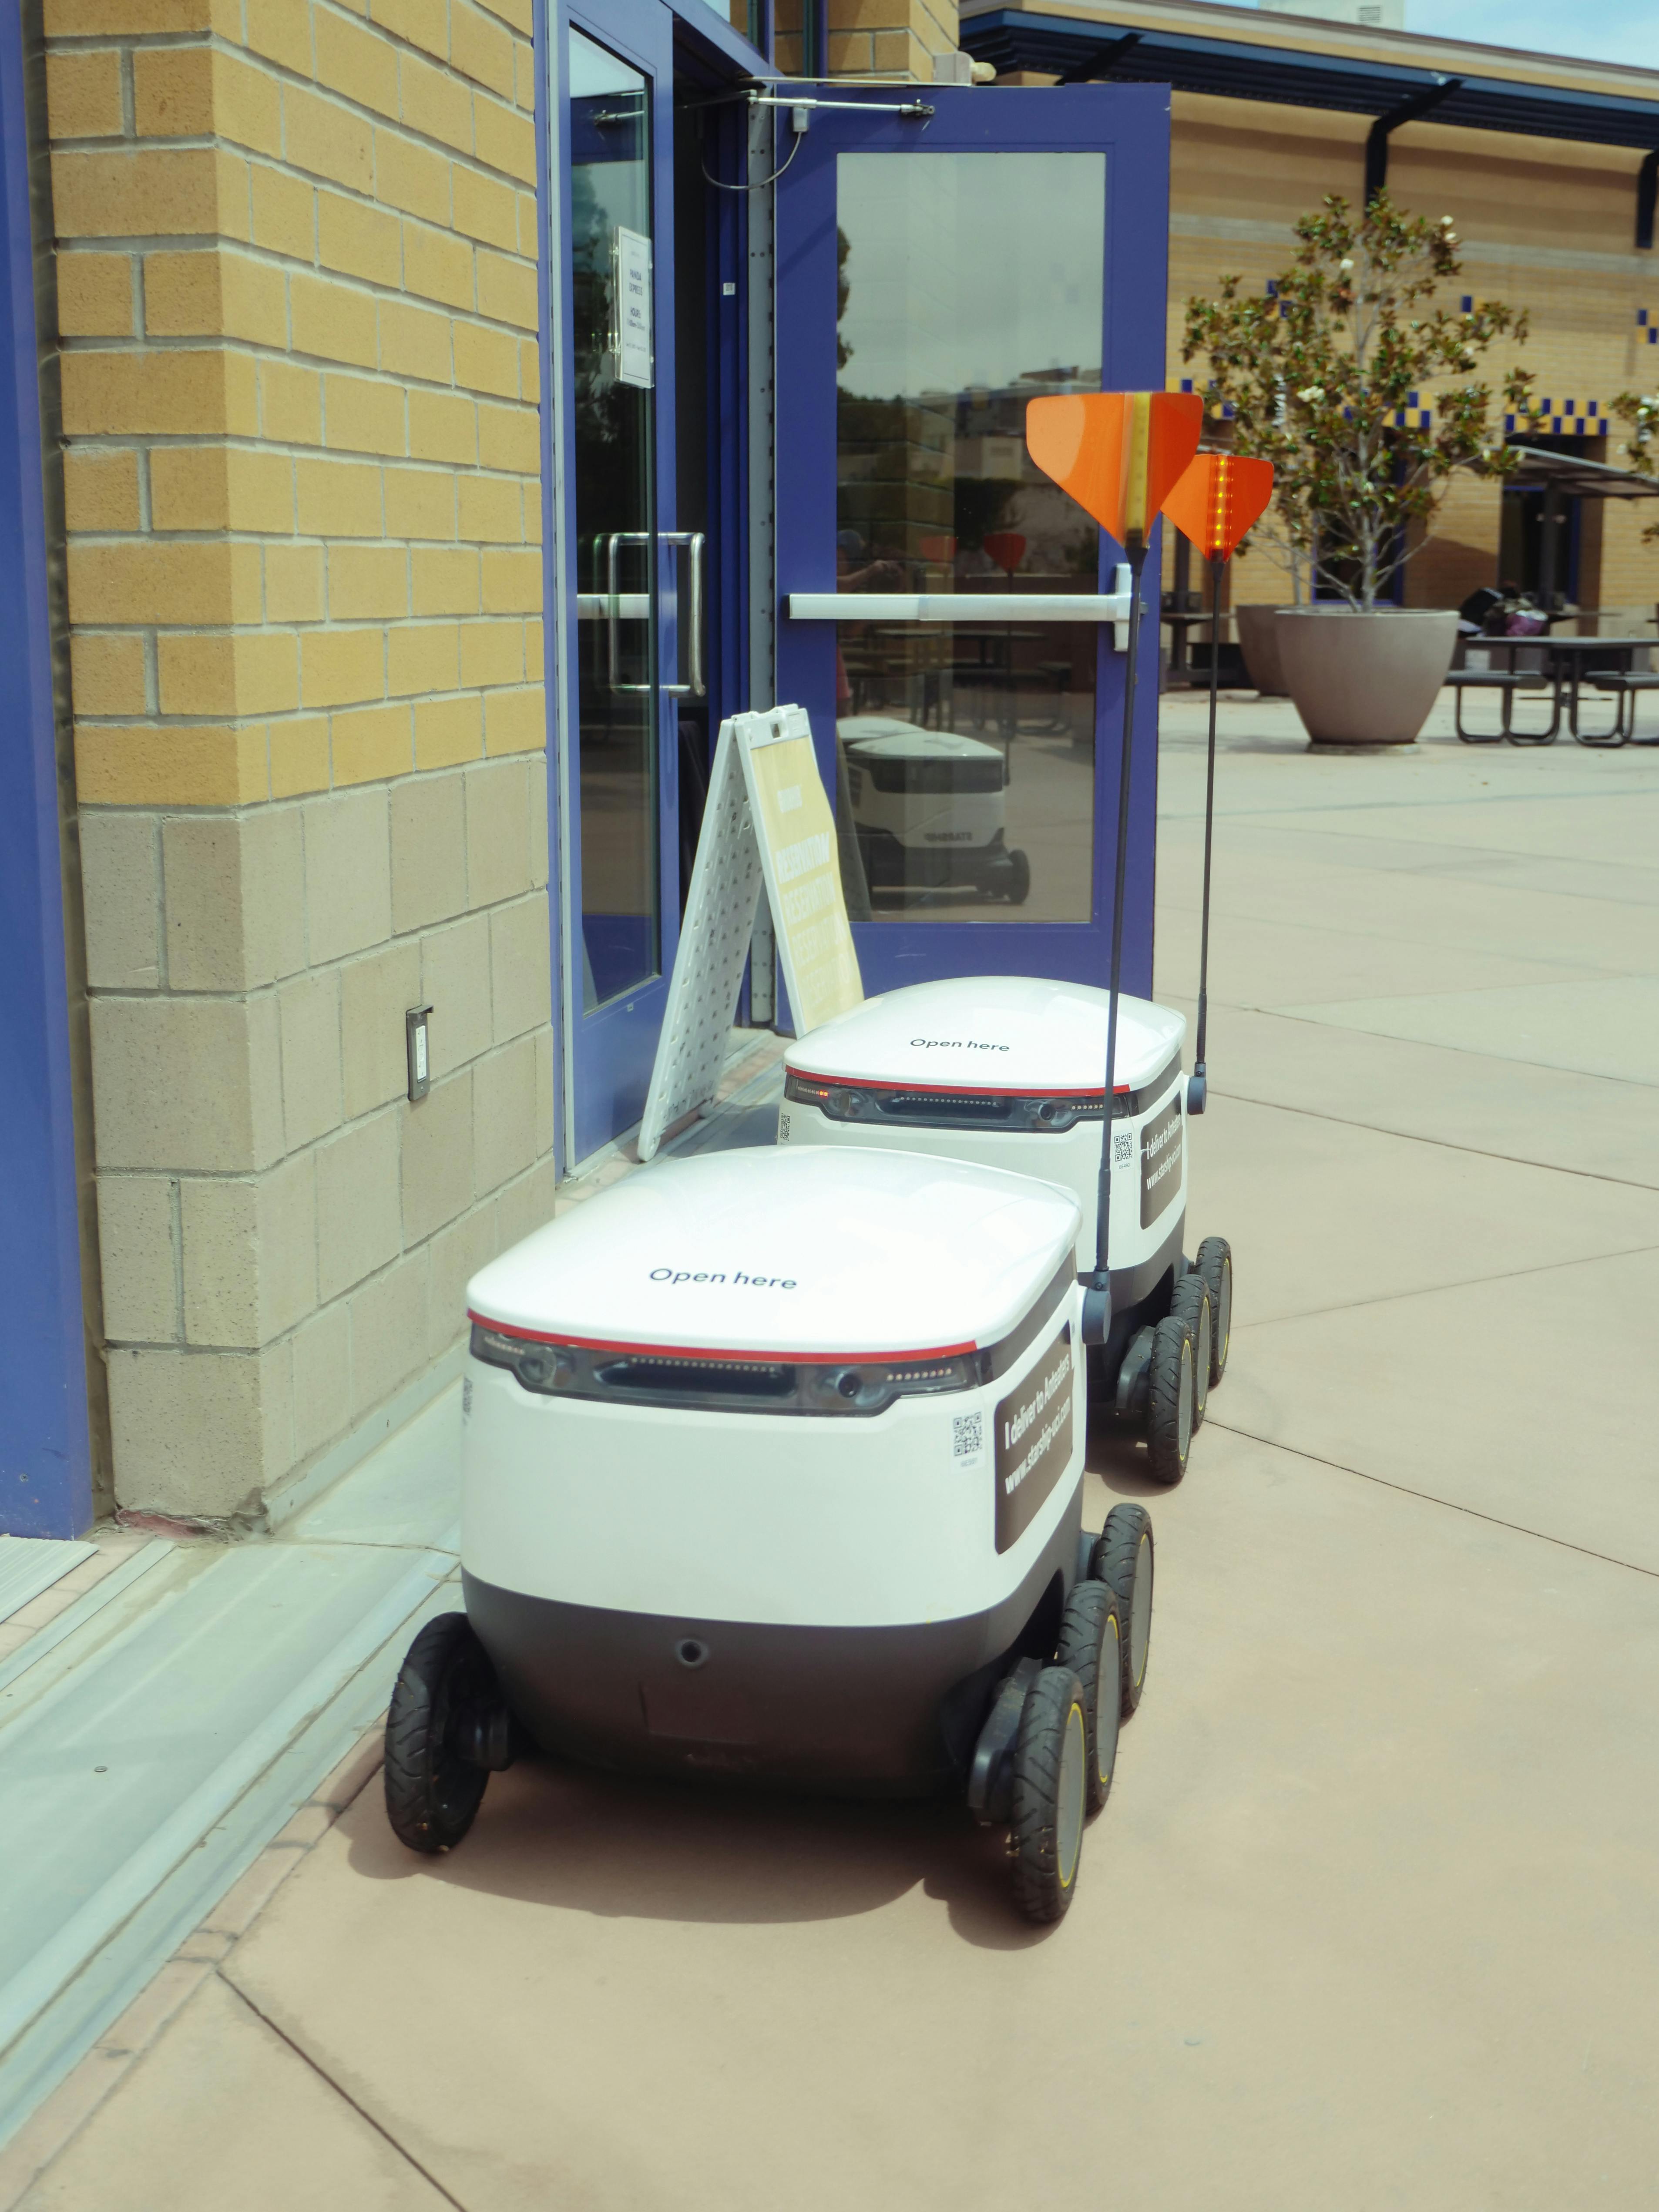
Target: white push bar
(970, 606)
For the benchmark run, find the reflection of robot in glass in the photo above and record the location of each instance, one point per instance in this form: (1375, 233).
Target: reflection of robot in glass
(928, 809)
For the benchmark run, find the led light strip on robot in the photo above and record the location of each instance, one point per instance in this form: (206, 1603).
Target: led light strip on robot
(683, 1375)
(1047, 1112)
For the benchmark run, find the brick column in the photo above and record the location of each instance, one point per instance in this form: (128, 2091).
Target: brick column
(873, 37)
(297, 282)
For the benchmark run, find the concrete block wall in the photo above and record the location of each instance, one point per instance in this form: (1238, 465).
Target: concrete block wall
(297, 283)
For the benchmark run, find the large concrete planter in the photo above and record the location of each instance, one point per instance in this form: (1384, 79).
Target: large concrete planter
(1365, 679)
(1258, 641)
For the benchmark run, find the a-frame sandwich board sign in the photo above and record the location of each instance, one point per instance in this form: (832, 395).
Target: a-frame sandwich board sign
(767, 821)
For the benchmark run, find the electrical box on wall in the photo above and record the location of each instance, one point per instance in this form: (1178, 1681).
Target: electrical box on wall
(420, 1057)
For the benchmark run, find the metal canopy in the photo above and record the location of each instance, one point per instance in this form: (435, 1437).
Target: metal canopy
(1074, 48)
(1567, 473)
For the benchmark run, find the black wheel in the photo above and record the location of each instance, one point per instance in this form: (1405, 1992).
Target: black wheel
(1215, 1264)
(1192, 1302)
(1051, 1762)
(1017, 887)
(1123, 1560)
(446, 1684)
(1091, 1646)
(1170, 1400)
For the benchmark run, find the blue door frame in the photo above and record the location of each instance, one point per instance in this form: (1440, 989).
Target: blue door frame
(1130, 125)
(607, 1054)
(46, 1486)
(609, 1051)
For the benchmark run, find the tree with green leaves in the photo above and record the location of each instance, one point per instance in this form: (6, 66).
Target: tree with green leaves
(1360, 390)
(1639, 412)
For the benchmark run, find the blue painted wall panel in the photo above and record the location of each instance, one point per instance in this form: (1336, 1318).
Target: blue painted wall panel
(45, 1475)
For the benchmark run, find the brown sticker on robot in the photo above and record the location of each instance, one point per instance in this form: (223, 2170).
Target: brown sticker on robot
(1160, 1162)
(1034, 1439)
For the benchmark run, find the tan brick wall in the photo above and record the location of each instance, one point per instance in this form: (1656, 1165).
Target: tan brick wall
(1545, 225)
(867, 38)
(297, 280)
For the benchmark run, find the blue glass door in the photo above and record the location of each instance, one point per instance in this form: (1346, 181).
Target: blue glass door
(945, 610)
(625, 567)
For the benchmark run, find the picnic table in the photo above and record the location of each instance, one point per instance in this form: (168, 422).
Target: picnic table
(1568, 663)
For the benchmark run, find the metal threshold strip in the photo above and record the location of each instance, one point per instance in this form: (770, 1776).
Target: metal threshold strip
(156, 1736)
(30, 1564)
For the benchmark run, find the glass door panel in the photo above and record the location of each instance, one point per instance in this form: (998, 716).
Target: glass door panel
(953, 625)
(968, 283)
(614, 422)
(620, 581)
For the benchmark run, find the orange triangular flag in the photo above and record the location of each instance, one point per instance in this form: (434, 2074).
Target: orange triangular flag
(1218, 500)
(1118, 454)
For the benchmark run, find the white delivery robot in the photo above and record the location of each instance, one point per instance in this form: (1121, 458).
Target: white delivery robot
(772, 1471)
(928, 810)
(1006, 1071)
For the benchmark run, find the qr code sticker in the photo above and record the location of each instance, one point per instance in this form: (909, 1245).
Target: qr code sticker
(968, 1432)
(1123, 1147)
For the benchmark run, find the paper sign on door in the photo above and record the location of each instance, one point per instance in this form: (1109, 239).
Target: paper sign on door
(635, 353)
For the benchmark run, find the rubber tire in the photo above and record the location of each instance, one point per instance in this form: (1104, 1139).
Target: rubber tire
(1050, 1778)
(1192, 1302)
(1092, 1643)
(432, 1793)
(1019, 877)
(1125, 1560)
(1169, 1400)
(1215, 1264)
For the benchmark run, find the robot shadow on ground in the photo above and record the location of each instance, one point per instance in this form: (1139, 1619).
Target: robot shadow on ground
(617, 1846)
(1117, 1457)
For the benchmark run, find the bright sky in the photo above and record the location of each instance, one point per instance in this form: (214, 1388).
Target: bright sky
(1611, 31)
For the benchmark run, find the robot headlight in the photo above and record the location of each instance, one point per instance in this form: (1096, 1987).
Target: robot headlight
(871, 1386)
(842, 1102)
(544, 1368)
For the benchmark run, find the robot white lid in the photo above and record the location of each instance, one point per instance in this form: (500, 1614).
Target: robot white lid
(992, 1033)
(879, 737)
(810, 1250)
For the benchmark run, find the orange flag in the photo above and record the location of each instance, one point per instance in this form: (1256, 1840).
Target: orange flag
(1218, 500)
(1118, 454)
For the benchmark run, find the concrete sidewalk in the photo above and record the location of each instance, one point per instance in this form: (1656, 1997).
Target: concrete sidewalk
(1372, 1918)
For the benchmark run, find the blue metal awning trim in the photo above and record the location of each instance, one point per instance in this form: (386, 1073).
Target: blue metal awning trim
(1231, 69)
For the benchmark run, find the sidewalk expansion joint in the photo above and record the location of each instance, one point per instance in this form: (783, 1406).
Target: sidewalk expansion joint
(1443, 1143)
(1428, 1498)
(1434, 1290)
(344, 2094)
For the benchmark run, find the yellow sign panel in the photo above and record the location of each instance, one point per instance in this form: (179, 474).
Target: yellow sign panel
(766, 821)
(797, 836)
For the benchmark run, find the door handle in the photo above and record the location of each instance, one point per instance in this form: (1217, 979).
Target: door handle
(693, 541)
(613, 616)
